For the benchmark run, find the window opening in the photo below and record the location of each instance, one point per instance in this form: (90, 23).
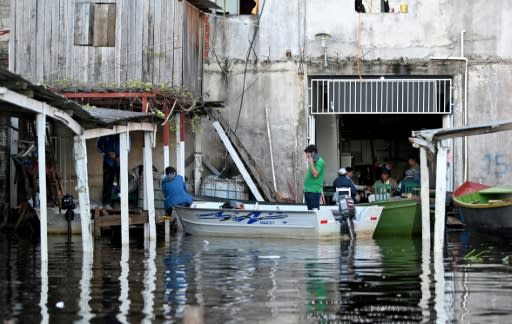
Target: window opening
(238, 7)
(381, 6)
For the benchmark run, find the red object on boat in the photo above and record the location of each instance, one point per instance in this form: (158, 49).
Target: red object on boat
(469, 187)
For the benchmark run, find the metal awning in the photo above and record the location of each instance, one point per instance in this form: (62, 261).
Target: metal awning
(435, 135)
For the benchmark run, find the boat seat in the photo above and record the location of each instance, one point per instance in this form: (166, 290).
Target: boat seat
(341, 192)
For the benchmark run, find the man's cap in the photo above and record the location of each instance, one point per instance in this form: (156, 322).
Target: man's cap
(385, 170)
(342, 171)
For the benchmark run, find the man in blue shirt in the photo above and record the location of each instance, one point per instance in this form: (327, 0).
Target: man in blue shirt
(174, 191)
(108, 145)
(343, 181)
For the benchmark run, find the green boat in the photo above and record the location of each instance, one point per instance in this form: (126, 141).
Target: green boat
(400, 217)
(488, 209)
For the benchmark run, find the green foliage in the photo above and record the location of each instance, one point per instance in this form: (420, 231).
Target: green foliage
(476, 257)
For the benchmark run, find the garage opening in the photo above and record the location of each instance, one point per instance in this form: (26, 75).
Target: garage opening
(365, 124)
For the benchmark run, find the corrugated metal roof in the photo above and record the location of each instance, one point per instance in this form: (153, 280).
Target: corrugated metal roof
(116, 116)
(88, 118)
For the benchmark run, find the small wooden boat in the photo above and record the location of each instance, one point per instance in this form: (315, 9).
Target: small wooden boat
(469, 187)
(400, 217)
(488, 209)
(272, 220)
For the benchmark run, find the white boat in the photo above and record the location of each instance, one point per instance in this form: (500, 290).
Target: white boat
(272, 220)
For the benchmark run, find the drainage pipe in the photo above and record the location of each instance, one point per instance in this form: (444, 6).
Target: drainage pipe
(465, 166)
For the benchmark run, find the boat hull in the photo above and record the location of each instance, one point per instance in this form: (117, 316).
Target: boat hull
(277, 221)
(492, 219)
(489, 209)
(401, 217)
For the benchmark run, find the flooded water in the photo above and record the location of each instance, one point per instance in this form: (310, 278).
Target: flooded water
(226, 280)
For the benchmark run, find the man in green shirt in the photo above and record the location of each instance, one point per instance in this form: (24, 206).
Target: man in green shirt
(314, 177)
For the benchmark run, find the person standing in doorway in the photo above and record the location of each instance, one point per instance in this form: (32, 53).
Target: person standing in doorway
(108, 146)
(314, 177)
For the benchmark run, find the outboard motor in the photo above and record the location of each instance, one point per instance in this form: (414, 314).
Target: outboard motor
(347, 212)
(68, 205)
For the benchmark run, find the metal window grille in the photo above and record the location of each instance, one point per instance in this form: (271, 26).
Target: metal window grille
(377, 96)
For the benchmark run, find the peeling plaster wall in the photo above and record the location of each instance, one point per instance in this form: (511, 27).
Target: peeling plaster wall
(490, 158)
(386, 44)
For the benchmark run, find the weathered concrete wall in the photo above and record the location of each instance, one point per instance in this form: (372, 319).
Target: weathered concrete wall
(275, 89)
(490, 157)
(366, 44)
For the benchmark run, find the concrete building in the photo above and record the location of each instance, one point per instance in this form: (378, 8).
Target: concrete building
(357, 84)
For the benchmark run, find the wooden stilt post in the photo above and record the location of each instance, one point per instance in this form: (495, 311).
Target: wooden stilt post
(123, 149)
(439, 230)
(439, 226)
(198, 163)
(148, 186)
(165, 135)
(43, 212)
(180, 144)
(80, 151)
(425, 198)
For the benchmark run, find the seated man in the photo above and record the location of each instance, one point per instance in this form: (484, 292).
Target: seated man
(410, 183)
(386, 184)
(174, 191)
(343, 181)
(233, 204)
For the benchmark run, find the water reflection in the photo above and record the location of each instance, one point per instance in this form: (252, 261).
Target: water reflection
(382, 281)
(85, 312)
(149, 282)
(250, 280)
(123, 283)
(480, 287)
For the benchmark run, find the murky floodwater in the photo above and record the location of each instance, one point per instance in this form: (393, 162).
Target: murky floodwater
(226, 280)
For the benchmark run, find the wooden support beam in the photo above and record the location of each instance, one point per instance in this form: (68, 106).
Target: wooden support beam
(80, 159)
(40, 107)
(234, 155)
(255, 171)
(119, 129)
(43, 212)
(123, 153)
